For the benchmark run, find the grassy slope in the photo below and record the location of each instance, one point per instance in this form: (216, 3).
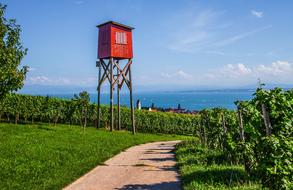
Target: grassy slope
(202, 169)
(48, 157)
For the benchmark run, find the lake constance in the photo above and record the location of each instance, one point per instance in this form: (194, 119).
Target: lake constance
(191, 100)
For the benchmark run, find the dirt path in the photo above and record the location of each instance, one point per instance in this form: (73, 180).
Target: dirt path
(145, 167)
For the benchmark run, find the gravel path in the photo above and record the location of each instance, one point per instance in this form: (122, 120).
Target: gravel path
(145, 167)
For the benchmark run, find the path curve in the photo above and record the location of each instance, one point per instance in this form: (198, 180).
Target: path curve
(148, 166)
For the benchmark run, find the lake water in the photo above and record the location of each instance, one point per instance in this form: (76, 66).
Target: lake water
(191, 100)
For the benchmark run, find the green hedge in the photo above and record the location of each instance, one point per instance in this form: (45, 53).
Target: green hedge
(26, 108)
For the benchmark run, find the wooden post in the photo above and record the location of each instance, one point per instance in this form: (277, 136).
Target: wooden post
(266, 119)
(118, 100)
(99, 94)
(247, 161)
(199, 131)
(111, 96)
(241, 129)
(207, 119)
(131, 100)
(222, 139)
(203, 122)
(224, 123)
(204, 134)
(85, 117)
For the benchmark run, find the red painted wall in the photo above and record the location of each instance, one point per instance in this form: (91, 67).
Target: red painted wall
(115, 41)
(104, 42)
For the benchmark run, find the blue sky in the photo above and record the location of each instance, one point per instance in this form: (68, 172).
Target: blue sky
(177, 44)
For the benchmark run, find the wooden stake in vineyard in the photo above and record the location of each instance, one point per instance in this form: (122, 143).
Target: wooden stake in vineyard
(115, 51)
(241, 128)
(265, 114)
(266, 119)
(247, 161)
(224, 123)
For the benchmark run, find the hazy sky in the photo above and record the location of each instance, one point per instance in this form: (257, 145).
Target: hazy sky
(190, 43)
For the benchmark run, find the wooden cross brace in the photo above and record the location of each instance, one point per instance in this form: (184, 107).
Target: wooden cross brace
(121, 73)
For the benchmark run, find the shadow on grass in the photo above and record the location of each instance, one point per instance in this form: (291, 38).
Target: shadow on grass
(222, 176)
(46, 128)
(217, 159)
(157, 186)
(204, 158)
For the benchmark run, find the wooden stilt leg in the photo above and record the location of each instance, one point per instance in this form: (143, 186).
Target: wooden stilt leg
(118, 101)
(111, 96)
(131, 101)
(99, 95)
(125, 76)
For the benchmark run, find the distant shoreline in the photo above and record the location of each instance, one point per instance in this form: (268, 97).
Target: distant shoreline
(189, 100)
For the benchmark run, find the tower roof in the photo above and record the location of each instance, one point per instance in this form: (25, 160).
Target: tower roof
(116, 23)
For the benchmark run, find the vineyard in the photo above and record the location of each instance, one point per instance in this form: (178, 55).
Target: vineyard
(18, 108)
(258, 135)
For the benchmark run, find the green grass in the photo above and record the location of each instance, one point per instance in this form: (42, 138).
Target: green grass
(203, 169)
(48, 157)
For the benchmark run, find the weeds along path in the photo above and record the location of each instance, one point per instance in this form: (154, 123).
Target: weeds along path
(149, 166)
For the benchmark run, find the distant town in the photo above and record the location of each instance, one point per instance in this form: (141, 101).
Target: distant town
(153, 108)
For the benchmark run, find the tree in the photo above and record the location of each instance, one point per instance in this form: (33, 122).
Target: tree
(11, 54)
(83, 101)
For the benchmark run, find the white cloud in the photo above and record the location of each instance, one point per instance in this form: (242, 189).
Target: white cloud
(257, 14)
(179, 74)
(60, 81)
(166, 75)
(184, 75)
(209, 76)
(228, 75)
(275, 69)
(235, 70)
(31, 69)
(44, 80)
(205, 31)
(276, 72)
(194, 31)
(38, 79)
(239, 74)
(238, 37)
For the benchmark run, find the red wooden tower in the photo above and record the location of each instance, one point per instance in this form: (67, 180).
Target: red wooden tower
(114, 48)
